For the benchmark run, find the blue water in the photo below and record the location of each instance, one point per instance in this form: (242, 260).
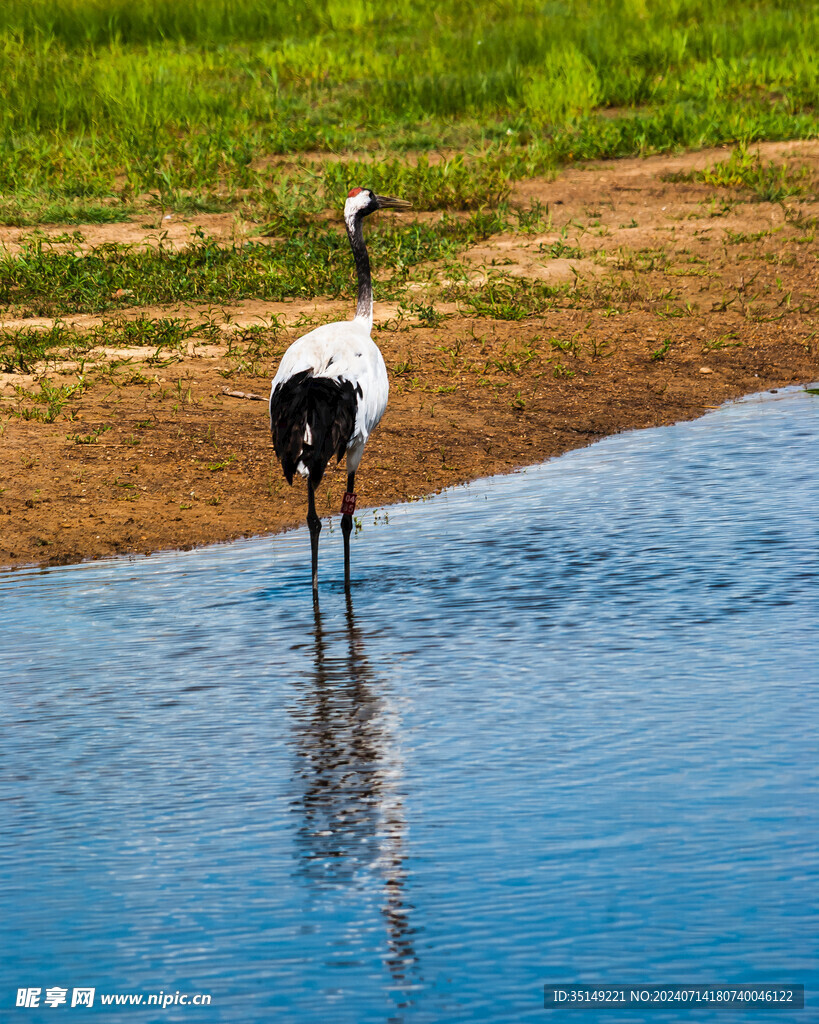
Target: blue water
(565, 731)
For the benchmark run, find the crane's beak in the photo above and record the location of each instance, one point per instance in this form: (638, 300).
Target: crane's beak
(387, 203)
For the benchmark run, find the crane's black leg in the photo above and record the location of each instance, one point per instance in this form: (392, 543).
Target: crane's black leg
(314, 523)
(347, 509)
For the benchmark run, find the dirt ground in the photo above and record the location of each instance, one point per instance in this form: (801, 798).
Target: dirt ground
(686, 296)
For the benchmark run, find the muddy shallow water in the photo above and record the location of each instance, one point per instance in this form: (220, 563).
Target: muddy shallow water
(564, 731)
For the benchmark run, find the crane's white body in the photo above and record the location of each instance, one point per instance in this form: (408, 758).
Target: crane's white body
(343, 351)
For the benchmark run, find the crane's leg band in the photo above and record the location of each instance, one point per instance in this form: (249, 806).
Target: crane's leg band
(348, 504)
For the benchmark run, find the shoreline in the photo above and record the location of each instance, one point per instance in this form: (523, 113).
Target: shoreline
(166, 535)
(386, 506)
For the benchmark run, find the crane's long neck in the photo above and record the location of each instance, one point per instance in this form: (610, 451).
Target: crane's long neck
(364, 305)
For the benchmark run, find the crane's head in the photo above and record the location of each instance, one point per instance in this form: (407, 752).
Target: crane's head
(361, 202)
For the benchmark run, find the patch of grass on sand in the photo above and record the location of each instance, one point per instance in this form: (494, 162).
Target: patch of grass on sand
(769, 181)
(44, 277)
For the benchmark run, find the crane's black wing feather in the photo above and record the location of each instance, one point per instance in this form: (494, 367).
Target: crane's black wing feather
(324, 405)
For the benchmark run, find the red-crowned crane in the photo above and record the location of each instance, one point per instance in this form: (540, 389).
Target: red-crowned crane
(331, 388)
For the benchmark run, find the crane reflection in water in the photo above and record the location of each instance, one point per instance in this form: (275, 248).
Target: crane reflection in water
(353, 834)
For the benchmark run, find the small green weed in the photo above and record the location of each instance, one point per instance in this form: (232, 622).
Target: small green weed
(560, 371)
(404, 367)
(428, 316)
(560, 250)
(661, 352)
(722, 341)
(91, 438)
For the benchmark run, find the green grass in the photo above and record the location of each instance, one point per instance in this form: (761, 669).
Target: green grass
(768, 181)
(508, 298)
(111, 99)
(22, 348)
(49, 400)
(28, 211)
(45, 278)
